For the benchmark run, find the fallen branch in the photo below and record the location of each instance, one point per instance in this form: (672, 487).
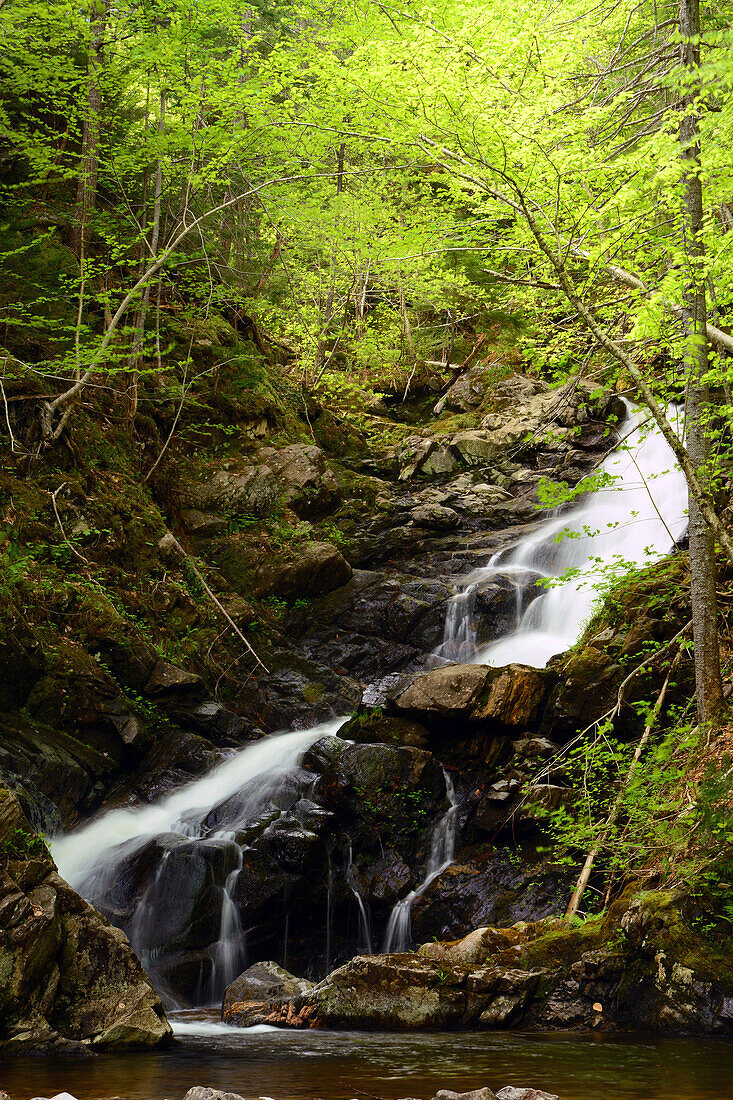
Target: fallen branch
(590, 860)
(215, 599)
(71, 547)
(647, 661)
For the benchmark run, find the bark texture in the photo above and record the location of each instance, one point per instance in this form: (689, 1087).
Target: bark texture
(702, 541)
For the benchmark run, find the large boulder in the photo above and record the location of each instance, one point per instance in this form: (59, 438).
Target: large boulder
(263, 983)
(450, 692)
(427, 457)
(510, 697)
(306, 483)
(514, 697)
(475, 448)
(66, 974)
(313, 569)
(240, 491)
(546, 975)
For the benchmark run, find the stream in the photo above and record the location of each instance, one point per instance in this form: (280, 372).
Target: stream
(303, 1065)
(636, 515)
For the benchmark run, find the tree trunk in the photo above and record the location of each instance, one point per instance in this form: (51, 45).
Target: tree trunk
(702, 542)
(322, 346)
(139, 337)
(86, 188)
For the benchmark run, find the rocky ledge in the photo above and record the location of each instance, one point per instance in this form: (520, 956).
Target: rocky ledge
(69, 981)
(642, 967)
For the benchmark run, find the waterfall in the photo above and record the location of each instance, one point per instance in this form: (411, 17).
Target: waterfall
(633, 520)
(365, 924)
(93, 857)
(228, 954)
(398, 935)
(183, 811)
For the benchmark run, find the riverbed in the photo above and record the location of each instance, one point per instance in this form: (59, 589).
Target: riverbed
(330, 1065)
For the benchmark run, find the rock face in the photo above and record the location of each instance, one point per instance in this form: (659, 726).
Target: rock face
(339, 832)
(308, 486)
(640, 968)
(67, 976)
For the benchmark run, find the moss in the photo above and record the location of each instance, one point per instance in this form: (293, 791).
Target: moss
(559, 946)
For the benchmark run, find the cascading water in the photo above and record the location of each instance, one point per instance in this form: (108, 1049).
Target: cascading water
(365, 924)
(398, 935)
(94, 857)
(634, 520)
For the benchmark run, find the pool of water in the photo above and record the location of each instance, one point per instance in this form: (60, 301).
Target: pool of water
(343, 1065)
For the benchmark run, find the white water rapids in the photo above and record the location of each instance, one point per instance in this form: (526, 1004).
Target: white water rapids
(635, 518)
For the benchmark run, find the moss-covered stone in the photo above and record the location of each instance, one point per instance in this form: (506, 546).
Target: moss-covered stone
(65, 972)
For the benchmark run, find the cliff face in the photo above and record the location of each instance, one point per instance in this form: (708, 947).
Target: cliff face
(69, 980)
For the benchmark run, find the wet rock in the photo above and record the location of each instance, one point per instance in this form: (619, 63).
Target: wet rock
(302, 692)
(166, 892)
(68, 975)
(386, 879)
(499, 603)
(511, 1092)
(314, 568)
(488, 889)
(263, 983)
(365, 729)
(374, 622)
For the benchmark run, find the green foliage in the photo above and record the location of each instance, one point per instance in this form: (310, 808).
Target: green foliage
(21, 844)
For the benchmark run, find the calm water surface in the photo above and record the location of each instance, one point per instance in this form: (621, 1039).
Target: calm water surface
(329, 1065)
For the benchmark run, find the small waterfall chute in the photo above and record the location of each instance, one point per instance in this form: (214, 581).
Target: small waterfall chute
(398, 935)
